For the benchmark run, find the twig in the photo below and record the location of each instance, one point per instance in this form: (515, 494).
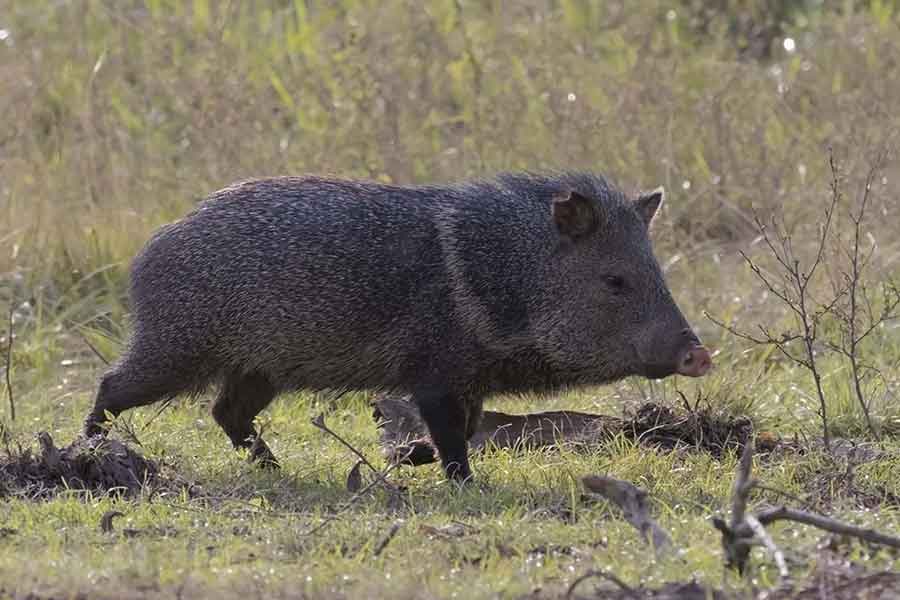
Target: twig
(601, 575)
(106, 521)
(737, 549)
(319, 422)
(166, 404)
(381, 475)
(9, 348)
(635, 508)
(746, 528)
(387, 538)
(742, 484)
(784, 513)
(93, 348)
(766, 488)
(767, 541)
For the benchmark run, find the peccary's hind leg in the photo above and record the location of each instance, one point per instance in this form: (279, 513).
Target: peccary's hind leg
(241, 398)
(445, 414)
(133, 381)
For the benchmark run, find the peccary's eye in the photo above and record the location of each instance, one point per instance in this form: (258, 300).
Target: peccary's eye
(615, 282)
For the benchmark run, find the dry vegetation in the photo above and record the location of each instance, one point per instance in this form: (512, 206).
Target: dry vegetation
(119, 115)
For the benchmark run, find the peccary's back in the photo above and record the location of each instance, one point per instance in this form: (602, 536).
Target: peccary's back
(314, 282)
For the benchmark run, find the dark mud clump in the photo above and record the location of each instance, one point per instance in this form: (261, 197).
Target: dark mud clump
(665, 428)
(96, 464)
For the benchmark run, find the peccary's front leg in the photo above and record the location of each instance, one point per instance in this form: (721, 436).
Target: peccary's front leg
(445, 415)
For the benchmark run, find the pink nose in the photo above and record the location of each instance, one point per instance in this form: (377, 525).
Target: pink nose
(695, 362)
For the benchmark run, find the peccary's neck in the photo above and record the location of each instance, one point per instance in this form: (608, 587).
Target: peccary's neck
(488, 243)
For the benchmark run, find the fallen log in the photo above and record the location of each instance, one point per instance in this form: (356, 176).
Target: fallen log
(404, 434)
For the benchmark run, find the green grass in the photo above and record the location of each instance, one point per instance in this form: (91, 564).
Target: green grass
(526, 524)
(118, 116)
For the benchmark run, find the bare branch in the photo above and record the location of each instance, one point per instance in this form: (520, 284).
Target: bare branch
(380, 475)
(9, 349)
(781, 295)
(735, 332)
(387, 538)
(633, 503)
(769, 340)
(319, 422)
(93, 348)
(745, 528)
(767, 541)
(602, 575)
(380, 479)
(783, 513)
(742, 485)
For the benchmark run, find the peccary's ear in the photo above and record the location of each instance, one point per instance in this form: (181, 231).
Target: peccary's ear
(648, 203)
(575, 215)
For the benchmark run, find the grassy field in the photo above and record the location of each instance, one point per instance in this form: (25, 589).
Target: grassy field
(119, 116)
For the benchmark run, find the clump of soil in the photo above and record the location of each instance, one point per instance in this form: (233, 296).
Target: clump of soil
(95, 463)
(405, 436)
(663, 427)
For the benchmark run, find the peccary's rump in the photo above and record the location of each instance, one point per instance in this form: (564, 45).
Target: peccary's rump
(449, 293)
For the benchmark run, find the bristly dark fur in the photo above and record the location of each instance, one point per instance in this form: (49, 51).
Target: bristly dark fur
(447, 292)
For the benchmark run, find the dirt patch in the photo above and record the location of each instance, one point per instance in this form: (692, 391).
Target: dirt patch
(96, 464)
(403, 433)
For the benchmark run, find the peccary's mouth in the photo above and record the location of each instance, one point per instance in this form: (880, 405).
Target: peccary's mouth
(658, 370)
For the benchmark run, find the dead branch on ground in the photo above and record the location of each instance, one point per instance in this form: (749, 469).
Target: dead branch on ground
(628, 590)
(747, 529)
(635, 507)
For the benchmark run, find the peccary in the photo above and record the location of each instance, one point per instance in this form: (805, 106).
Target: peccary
(449, 293)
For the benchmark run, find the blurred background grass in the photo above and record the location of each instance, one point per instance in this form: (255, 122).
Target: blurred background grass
(119, 115)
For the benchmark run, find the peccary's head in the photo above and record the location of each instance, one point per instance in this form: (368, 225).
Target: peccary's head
(605, 310)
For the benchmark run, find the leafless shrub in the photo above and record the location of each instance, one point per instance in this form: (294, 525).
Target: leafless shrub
(856, 312)
(847, 314)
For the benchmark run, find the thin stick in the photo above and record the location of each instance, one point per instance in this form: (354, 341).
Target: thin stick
(319, 422)
(93, 348)
(603, 575)
(742, 485)
(783, 513)
(387, 538)
(9, 348)
(166, 404)
(738, 536)
(767, 541)
(334, 516)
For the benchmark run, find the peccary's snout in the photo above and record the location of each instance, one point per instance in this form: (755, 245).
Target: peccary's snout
(694, 360)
